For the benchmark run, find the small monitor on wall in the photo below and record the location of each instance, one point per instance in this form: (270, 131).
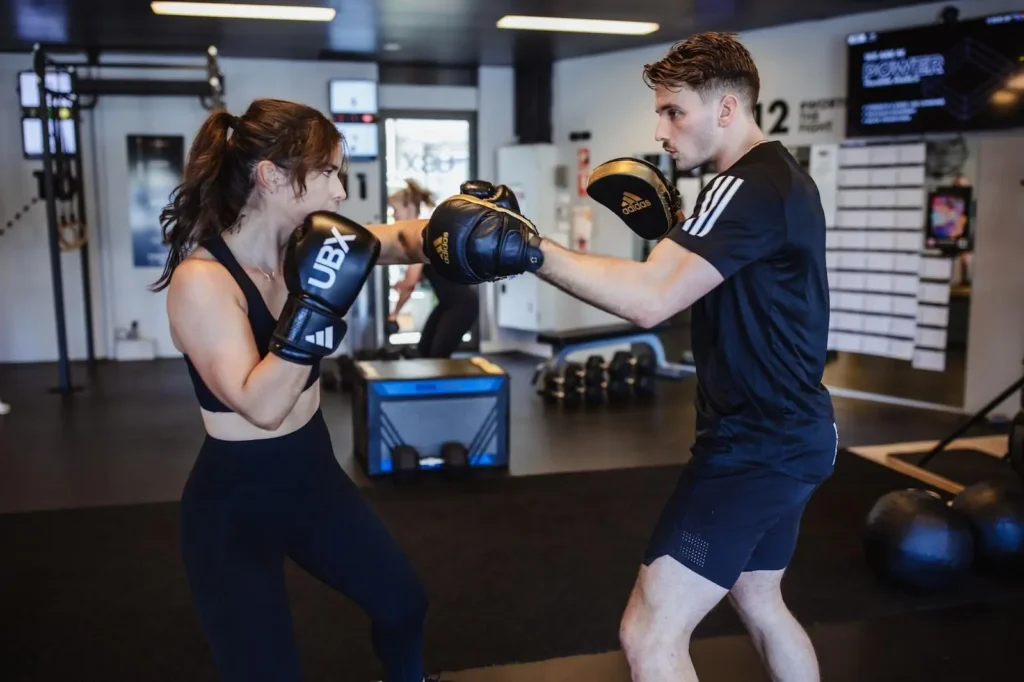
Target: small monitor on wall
(62, 126)
(56, 82)
(353, 105)
(949, 219)
(32, 137)
(353, 97)
(361, 140)
(958, 76)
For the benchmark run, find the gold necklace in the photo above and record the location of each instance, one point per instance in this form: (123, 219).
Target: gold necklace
(270, 276)
(761, 141)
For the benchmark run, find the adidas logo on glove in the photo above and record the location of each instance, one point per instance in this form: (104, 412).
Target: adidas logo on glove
(323, 338)
(631, 203)
(441, 246)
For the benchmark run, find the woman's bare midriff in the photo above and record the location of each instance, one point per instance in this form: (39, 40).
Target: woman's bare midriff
(232, 426)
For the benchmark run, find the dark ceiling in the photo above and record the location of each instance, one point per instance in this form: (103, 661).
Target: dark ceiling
(434, 32)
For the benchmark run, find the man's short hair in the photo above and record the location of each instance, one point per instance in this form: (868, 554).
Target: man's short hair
(709, 63)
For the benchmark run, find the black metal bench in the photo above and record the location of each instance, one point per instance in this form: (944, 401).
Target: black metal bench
(568, 341)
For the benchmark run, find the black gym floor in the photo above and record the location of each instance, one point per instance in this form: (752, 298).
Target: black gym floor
(523, 571)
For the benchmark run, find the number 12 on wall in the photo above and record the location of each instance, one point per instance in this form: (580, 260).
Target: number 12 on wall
(780, 110)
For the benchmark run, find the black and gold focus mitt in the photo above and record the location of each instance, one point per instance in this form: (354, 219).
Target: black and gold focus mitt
(639, 194)
(470, 240)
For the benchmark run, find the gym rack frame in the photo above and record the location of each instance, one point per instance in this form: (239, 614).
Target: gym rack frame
(209, 90)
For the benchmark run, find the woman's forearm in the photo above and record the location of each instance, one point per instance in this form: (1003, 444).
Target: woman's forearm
(271, 390)
(401, 243)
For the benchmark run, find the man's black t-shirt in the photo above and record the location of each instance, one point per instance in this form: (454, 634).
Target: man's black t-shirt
(760, 338)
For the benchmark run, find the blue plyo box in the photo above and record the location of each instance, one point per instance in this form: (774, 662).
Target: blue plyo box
(426, 403)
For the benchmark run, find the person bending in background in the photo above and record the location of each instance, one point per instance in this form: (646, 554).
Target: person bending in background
(259, 276)
(458, 305)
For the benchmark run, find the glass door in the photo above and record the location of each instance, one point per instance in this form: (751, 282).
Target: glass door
(438, 151)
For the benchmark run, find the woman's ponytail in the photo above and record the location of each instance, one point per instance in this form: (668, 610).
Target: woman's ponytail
(198, 207)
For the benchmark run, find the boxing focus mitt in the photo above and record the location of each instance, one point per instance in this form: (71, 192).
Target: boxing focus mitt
(500, 195)
(639, 194)
(469, 240)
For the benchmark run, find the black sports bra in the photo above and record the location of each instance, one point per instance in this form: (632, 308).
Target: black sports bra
(260, 319)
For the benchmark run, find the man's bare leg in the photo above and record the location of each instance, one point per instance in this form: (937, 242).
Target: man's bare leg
(667, 603)
(781, 640)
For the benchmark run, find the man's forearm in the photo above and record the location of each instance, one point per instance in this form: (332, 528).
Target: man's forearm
(616, 285)
(401, 243)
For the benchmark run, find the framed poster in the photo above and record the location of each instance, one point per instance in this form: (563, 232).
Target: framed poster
(155, 167)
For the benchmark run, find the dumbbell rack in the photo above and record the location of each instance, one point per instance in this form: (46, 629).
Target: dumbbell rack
(664, 368)
(626, 376)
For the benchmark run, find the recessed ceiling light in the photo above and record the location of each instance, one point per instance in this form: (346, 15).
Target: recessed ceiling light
(234, 11)
(392, 47)
(525, 23)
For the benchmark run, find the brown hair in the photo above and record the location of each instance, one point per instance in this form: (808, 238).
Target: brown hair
(414, 193)
(219, 175)
(708, 63)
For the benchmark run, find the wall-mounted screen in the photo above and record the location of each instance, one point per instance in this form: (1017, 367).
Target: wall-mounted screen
(32, 137)
(949, 219)
(948, 77)
(61, 124)
(361, 140)
(353, 105)
(56, 82)
(353, 97)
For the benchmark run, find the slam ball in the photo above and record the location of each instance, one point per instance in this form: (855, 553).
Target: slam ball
(913, 539)
(996, 515)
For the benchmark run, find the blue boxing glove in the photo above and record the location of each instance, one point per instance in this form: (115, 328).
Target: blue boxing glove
(470, 240)
(326, 264)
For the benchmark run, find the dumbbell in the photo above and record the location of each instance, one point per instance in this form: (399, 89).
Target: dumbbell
(346, 372)
(551, 387)
(391, 327)
(456, 459)
(621, 377)
(405, 464)
(330, 374)
(574, 385)
(645, 374)
(366, 354)
(595, 381)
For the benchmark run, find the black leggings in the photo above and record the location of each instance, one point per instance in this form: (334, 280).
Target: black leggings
(456, 311)
(248, 505)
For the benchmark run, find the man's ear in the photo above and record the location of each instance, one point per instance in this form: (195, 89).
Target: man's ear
(728, 109)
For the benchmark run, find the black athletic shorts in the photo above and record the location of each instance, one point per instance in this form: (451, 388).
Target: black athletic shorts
(721, 522)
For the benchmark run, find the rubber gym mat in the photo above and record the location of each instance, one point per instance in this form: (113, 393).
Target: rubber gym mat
(965, 467)
(517, 569)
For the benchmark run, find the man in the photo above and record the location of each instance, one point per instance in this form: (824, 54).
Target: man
(750, 262)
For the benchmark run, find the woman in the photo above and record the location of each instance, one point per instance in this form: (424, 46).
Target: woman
(266, 484)
(457, 304)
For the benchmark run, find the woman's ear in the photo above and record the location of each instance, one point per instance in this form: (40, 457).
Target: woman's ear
(268, 176)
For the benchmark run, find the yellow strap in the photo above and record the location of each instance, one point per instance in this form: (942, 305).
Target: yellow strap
(495, 207)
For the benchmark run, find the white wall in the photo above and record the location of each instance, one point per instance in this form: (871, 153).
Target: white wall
(606, 94)
(995, 338)
(120, 295)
